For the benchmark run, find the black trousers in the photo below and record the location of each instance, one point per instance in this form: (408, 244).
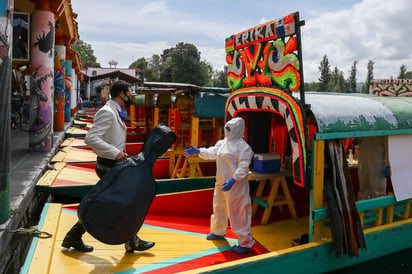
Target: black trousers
(102, 166)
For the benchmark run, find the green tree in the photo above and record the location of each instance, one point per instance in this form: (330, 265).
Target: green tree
(402, 72)
(352, 77)
(369, 77)
(166, 69)
(337, 81)
(147, 67)
(219, 78)
(206, 73)
(154, 68)
(140, 63)
(86, 54)
(182, 64)
(324, 70)
(313, 86)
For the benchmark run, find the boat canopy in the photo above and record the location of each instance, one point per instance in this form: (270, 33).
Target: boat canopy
(210, 104)
(343, 115)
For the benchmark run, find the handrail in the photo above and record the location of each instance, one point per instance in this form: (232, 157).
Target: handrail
(370, 204)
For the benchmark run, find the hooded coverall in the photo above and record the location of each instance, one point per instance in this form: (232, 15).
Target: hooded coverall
(233, 156)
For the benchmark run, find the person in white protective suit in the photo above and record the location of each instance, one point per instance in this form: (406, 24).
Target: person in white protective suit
(231, 200)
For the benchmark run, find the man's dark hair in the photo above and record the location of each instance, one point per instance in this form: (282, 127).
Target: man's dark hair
(119, 86)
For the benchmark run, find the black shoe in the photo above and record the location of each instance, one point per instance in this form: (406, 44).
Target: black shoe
(76, 243)
(141, 245)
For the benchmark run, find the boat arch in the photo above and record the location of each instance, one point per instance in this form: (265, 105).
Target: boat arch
(279, 102)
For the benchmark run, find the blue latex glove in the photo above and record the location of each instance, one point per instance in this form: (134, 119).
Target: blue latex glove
(387, 171)
(192, 150)
(228, 184)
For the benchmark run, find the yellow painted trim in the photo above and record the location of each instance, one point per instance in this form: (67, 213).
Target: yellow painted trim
(42, 257)
(155, 117)
(194, 139)
(192, 169)
(379, 217)
(407, 210)
(318, 178)
(361, 217)
(133, 116)
(386, 226)
(389, 214)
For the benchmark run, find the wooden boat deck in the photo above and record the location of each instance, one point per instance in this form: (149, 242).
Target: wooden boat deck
(71, 172)
(82, 124)
(75, 132)
(73, 142)
(75, 155)
(179, 234)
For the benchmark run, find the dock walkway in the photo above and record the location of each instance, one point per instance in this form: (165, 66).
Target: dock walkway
(26, 168)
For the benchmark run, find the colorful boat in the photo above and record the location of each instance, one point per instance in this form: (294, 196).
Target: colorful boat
(185, 107)
(307, 212)
(72, 172)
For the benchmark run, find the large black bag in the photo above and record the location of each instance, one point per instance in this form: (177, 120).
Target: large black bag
(115, 208)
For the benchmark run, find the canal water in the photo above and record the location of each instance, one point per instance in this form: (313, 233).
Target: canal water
(396, 263)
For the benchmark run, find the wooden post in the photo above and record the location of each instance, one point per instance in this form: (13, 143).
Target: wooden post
(156, 117)
(133, 120)
(194, 136)
(316, 194)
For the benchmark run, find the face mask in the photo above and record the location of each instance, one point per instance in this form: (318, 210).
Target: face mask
(128, 102)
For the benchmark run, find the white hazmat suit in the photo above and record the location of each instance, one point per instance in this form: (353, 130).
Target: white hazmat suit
(233, 156)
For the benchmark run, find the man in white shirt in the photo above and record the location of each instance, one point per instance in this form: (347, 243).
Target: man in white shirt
(107, 138)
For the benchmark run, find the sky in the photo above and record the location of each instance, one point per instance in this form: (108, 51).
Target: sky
(344, 30)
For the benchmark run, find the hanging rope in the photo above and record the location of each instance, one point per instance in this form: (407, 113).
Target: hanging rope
(32, 231)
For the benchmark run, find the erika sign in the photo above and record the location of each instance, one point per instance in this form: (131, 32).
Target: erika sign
(271, 30)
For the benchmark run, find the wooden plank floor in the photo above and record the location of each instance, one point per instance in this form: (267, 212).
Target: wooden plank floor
(180, 246)
(75, 132)
(75, 155)
(69, 175)
(73, 142)
(279, 235)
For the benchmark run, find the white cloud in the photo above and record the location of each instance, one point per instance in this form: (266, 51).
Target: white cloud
(371, 30)
(126, 53)
(345, 31)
